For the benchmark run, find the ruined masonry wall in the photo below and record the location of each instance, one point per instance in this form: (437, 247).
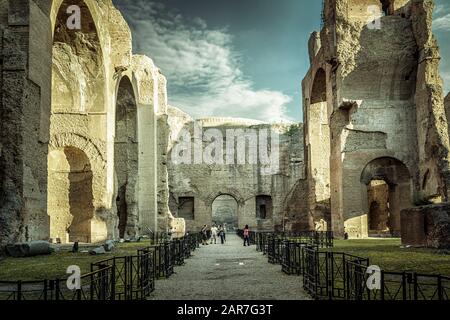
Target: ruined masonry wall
(384, 99)
(35, 124)
(243, 182)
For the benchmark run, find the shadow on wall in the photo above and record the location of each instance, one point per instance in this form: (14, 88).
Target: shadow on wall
(70, 195)
(80, 195)
(126, 159)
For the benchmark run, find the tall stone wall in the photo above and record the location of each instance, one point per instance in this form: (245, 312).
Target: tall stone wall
(25, 106)
(384, 103)
(447, 108)
(53, 122)
(205, 181)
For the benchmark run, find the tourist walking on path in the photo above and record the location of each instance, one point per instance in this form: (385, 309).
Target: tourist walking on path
(246, 236)
(225, 232)
(214, 231)
(204, 233)
(222, 234)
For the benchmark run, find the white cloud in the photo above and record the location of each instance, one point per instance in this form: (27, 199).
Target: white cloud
(201, 65)
(446, 77)
(442, 23)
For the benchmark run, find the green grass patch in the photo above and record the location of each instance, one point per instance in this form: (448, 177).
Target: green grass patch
(390, 256)
(55, 265)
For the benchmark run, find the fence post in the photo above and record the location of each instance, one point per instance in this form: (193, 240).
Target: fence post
(19, 291)
(45, 289)
(113, 282)
(404, 285)
(415, 284)
(57, 290)
(346, 283)
(329, 277)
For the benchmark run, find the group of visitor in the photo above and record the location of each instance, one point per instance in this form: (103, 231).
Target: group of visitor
(211, 235)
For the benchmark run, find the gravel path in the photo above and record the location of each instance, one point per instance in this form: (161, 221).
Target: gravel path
(229, 272)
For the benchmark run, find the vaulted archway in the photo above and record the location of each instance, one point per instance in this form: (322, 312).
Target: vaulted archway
(225, 210)
(70, 195)
(388, 183)
(78, 73)
(126, 159)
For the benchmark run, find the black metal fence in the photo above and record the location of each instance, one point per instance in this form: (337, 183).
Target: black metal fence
(312, 238)
(395, 285)
(341, 276)
(134, 275)
(117, 278)
(97, 285)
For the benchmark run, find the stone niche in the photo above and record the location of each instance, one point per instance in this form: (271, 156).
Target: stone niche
(426, 226)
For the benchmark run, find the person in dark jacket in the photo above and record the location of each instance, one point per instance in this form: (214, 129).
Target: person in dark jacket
(222, 234)
(246, 236)
(204, 234)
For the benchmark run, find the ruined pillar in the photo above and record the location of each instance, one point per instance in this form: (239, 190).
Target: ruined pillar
(24, 131)
(432, 127)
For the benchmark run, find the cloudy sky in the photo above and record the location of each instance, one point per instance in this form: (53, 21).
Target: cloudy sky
(240, 58)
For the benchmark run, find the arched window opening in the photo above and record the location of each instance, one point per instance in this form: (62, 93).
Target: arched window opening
(264, 207)
(126, 154)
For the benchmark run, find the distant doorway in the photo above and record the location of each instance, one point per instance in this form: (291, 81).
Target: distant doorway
(388, 185)
(379, 211)
(225, 211)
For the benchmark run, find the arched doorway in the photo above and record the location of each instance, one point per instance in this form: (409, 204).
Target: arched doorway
(126, 154)
(70, 196)
(388, 184)
(225, 211)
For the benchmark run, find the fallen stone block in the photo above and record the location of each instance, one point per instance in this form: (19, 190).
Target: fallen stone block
(29, 249)
(109, 245)
(97, 251)
(427, 226)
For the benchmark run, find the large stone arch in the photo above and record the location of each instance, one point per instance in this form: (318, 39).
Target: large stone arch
(79, 73)
(209, 200)
(387, 189)
(95, 154)
(70, 195)
(102, 223)
(225, 210)
(225, 191)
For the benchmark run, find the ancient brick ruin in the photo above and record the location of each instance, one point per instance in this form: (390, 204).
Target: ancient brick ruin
(373, 97)
(71, 106)
(87, 136)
